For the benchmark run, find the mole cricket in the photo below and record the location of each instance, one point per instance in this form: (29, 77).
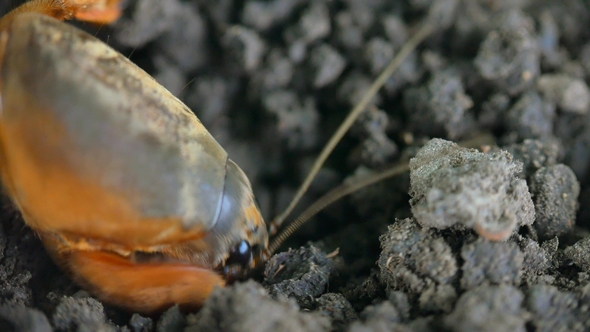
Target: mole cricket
(127, 190)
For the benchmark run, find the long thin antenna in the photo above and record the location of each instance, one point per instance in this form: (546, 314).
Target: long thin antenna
(406, 50)
(329, 198)
(480, 141)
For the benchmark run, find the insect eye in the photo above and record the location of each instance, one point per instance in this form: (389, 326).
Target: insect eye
(241, 254)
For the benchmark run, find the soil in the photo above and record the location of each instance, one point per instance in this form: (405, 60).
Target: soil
(495, 239)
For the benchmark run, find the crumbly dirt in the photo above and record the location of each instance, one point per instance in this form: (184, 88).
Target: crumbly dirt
(271, 80)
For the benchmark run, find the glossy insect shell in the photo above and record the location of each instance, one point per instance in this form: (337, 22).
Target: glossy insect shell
(102, 159)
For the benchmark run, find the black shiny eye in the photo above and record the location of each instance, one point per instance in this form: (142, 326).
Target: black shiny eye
(241, 254)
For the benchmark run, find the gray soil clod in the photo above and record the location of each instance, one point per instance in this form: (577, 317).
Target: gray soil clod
(535, 154)
(440, 109)
(571, 94)
(302, 274)
(20, 318)
(488, 308)
(552, 309)
(248, 307)
(509, 55)
(531, 116)
(451, 185)
(488, 239)
(555, 191)
(491, 263)
(420, 263)
(578, 254)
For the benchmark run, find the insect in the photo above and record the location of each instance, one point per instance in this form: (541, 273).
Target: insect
(128, 191)
(145, 229)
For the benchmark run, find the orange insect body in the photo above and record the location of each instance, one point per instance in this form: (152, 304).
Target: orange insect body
(124, 185)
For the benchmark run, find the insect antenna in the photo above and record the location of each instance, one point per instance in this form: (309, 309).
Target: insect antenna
(480, 141)
(345, 189)
(331, 197)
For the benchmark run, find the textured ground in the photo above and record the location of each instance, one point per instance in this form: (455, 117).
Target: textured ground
(272, 80)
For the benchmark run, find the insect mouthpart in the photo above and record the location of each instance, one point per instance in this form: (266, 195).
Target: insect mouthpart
(243, 259)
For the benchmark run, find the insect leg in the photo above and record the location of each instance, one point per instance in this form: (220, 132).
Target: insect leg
(147, 287)
(95, 11)
(98, 11)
